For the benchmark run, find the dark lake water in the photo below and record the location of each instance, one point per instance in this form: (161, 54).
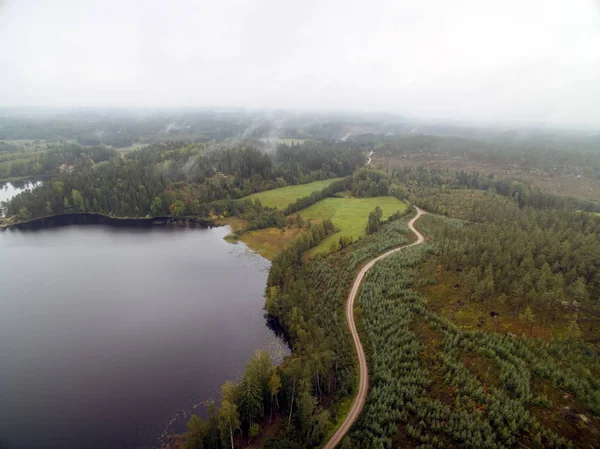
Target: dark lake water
(110, 338)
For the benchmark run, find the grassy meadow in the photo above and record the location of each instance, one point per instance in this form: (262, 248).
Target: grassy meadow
(270, 242)
(349, 215)
(282, 197)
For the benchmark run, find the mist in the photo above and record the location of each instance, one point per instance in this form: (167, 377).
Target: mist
(516, 62)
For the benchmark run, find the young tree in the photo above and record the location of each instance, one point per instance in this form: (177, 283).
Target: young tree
(228, 420)
(24, 214)
(250, 394)
(374, 221)
(293, 371)
(212, 425)
(528, 317)
(306, 407)
(253, 431)
(229, 391)
(156, 207)
(345, 240)
(194, 437)
(78, 204)
(261, 364)
(320, 426)
(274, 389)
(177, 208)
(573, 330)
(579, 291)
(58, 187)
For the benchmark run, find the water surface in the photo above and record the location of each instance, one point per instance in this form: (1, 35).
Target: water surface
(10, 189)
(111, 337)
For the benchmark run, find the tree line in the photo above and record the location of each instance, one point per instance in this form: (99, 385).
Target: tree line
(419, 185)
(571, 158)
(178, 179)
(16, 162)
(243, 405)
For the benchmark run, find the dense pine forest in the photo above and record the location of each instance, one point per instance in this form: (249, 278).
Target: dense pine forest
(178, 178)
(485, 336)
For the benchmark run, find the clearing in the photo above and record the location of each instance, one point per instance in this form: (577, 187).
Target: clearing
(134, 147)
(349, 215)
(267, 242)
(560, 179)
(287, 142)
(284, 196)
(270, 241)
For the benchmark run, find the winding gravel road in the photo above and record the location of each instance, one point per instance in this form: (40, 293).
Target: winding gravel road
(363, 387)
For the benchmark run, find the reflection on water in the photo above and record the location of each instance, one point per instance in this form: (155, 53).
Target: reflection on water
(10, 189)
(113, 336)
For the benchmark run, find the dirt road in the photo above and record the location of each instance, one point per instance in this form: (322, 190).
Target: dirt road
(363, 387)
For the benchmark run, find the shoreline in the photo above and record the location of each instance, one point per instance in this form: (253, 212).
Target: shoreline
(92, 218)
(28, 178)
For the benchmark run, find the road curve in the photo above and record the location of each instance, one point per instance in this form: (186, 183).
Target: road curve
(363, 387)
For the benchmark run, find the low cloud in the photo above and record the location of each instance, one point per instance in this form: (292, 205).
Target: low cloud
(515, 61)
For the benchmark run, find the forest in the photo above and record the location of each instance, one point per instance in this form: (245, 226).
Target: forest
(566, 168)
(16, 162)
(179, 179)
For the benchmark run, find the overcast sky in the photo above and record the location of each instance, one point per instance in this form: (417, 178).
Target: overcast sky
(515, 60)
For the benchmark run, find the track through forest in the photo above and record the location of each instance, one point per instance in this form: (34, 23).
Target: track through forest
(363, 387)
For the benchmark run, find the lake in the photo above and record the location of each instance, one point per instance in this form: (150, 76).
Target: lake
(10, 189)
(110, 338)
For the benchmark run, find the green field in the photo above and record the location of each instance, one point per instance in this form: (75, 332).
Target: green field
(349, 215)
(282, 197)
